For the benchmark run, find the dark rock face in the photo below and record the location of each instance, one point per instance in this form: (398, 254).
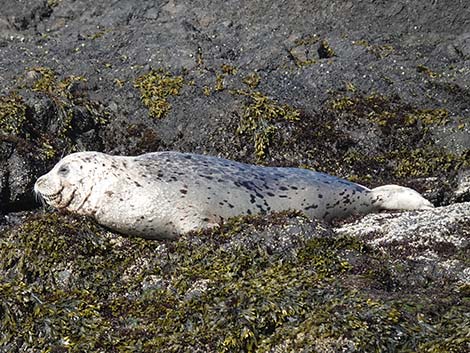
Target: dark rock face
(348, 68)
(21, 15)
(377, 93)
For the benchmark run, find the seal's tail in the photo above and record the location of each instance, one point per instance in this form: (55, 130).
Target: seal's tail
(394, 197)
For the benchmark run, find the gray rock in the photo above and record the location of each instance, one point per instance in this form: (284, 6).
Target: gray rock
(461, 46)
(18, 173)
(24, 14)
(462, 190)
(436, 240)
(413, 53)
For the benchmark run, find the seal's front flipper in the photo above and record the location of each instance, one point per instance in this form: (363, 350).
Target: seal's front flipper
(395, 197)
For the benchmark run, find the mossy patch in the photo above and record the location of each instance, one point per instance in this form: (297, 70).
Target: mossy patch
(155, 88)
(422, 162)
(56, 121)
(307, 40)
(381, 51)
(98, 34)
(219, 83)
(426, 70)
(260, 116)
(44, 79)
(53, 3)
(12, 114)
(325, 51)
(68, 285)
(228, 69)
(385, 112)
(66, 93)
(405, 130)
(252, 80)
(75, 112)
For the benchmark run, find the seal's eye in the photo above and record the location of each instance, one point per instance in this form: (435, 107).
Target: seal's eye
(63, 170)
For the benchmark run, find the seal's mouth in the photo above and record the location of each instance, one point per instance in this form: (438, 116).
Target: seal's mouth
(52, 198)
(58, 199)
(67, 201)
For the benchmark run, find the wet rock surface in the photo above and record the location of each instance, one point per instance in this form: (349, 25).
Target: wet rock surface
(376, 93)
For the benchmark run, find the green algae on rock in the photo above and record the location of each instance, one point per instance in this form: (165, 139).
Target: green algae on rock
(155, 88)
(325, 51)
(66, 94)
(12, 114)
(260, 117)
(252, 80)
(405, 130)
(75, 111)
(228, 69)
(422, 162)
(269, 283)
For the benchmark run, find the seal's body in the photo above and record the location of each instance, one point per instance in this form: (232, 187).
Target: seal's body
(164, 194)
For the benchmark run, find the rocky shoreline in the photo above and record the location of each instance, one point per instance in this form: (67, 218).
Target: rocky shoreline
(375, 93)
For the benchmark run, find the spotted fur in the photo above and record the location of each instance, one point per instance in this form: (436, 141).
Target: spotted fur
(164, 194)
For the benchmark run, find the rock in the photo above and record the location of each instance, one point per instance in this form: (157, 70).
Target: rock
(436, 240)
(21, 178)
(281, 279)
(282, 50)
(18, 174)
(373, 92)
(23, 14)
(462, 191)
(461, 46)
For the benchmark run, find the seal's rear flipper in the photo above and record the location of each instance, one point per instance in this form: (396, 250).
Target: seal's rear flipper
(395, 197)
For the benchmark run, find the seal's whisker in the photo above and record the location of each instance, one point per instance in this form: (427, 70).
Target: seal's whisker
(38, 197)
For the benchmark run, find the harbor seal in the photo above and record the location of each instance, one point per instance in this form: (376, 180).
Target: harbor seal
(164, 194)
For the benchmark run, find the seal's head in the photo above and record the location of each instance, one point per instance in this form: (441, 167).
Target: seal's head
(69, 184)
